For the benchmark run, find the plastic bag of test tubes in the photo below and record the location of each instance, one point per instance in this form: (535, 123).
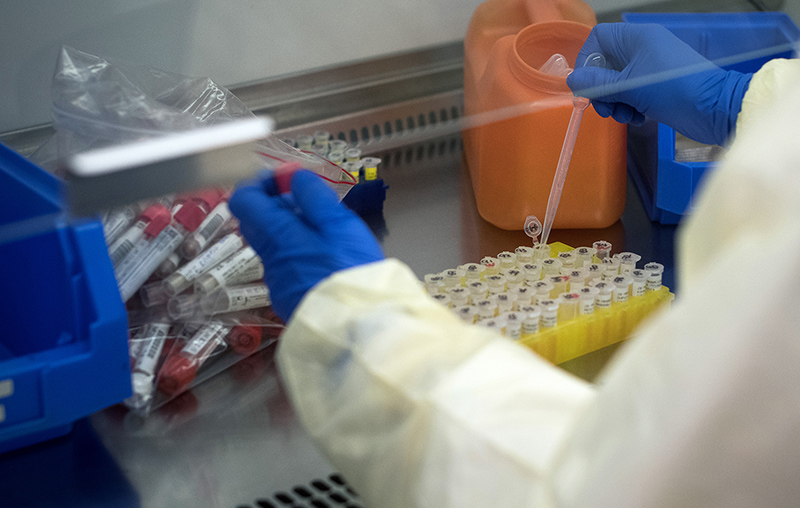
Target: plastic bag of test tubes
(561, 302)
(196, 300)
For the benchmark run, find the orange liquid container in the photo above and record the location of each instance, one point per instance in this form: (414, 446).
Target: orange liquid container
(521, 115)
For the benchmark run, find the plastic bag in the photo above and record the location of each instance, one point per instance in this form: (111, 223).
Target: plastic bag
(99, 102)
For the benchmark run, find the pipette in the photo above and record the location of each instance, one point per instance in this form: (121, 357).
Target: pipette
(579, 104)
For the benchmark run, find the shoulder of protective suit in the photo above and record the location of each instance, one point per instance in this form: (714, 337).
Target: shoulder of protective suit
(773, 80)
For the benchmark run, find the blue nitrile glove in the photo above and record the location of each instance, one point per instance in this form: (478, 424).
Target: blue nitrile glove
(302, 236)
(652, 73)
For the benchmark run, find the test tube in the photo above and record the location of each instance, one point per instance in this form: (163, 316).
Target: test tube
(583, 256)
(353, 168)
(487, 309)
(587, 297)
(560, 284)
(497, 325)
(118, 221)
(180, 368)
(655, 273)
(245, 337)
(339, 145)
(206, 232)
(627, 261)
(232, 299)
(135, 252)
(352, 155)
(467, 313)
(442, 298)
(336, 157)
(473, 271)
(491, 266)
(522, 296)
(435, 286)
(551, 266)
(577, 279)
(505, 303)
(145, 360)
(123, 245)
(610, 268)
(532, 273)
(604, 294)
(530, 323)
(549, 310)
(542, 290)
(594, 272)
(478, 290)
(568, 304)
(602, 249)
(639, 286)
(253, 271)
(184, 277)
(153, 294)
(169, 265)
(567, 259)
(541, 252)
(514, 279)
(524, 255)
(507, 260)
(305, 142)
(459, 296)
(320, 149)
(513, 324)
(622, 288)
(223, 273)
(370, 167)
(322, 138)
(496, 283)
(452, 278)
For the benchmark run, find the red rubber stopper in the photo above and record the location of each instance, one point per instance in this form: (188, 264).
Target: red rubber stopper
(190, 216)
(245, 339)
(176, 374)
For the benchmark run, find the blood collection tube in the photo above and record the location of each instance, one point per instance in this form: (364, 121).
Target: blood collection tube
(513, 324)
(117, 221)
(514, 279)
(245, 337)
(604, 293)
(370, 167)
(532, 273)
(145, 359)
(473, 271)
(182, 307)
(253, 272)
(583, 256)
(568, 306)
(137, 251)
(549, 310)
(639, 286)
(524, 255)
(551, 266)
(587, 296)
(560, 284)
(496, 283)
(541, 252)
(507, 260)
(530, 324)
(622, 288)
(442, 298)
(655, 273)
(467, 313)
(487, 309)
(627, 262)
(180, 368)
(231, 299)
(208, 230)
(222, 274)
(184, 277)
(169, 265)
(458, 296)
(577, 279)
(491, 266)
(477, 291)
(352, 155)
(567, 259)
(542, 290)
(124, 244)
(602, 249)
(185, 221)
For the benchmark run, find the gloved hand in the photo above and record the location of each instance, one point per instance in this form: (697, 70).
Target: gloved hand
(653, 73)
(302, 236)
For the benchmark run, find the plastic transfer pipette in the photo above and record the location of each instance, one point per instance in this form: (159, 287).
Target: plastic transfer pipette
(579, 104)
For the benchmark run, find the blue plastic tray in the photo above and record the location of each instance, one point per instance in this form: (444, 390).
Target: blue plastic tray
(736, 41)
(63, 326)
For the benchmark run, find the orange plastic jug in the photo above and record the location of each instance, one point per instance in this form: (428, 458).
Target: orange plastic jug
(518, 116)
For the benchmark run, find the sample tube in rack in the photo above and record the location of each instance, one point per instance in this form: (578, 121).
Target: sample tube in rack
(459, 296)
(639, 286)
(514, 279)
(370, 168)
(610, 268)
(560, 284)
(622, 288)
(549, 310)
(568, 306)
(322, 138)
(602, 249)
(442, 299)
(467, 313)
(487, 309)
(496, 283)
(605, 291)
(551, 266)
(338, 145)
(352, 155)
(583, 256)
(587, 295)
(522, 296)
(577, 279)
(567, 259)
(478, 290)
(505, 303)
(524, 255)
(507, 260)
(655, 273)
(491, 266)
(627, 262)
(532, 273)
(541, 252)
(305, 142)
(542, 291)
(530, 323)
(473, 271)
(513, 324)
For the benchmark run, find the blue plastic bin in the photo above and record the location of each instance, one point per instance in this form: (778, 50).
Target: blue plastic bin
(63, 326)
(667, 186)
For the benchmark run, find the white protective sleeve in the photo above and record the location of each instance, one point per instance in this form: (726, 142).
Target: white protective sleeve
(417, 409)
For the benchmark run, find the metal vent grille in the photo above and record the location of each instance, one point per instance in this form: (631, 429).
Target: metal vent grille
(331, 492)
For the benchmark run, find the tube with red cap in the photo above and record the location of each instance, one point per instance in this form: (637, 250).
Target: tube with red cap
(123, 245)
(186, 220)
(180, 368)
(134, 257)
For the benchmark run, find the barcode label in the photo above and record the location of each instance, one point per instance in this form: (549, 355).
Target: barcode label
(212, 227)
(121, 251)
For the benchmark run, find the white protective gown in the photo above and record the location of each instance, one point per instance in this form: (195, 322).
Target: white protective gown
(702, 409)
